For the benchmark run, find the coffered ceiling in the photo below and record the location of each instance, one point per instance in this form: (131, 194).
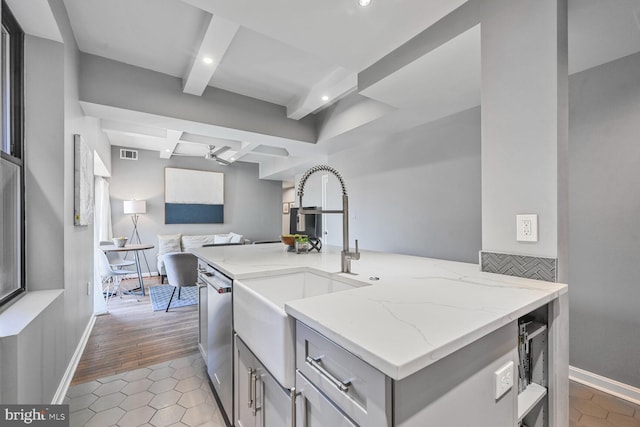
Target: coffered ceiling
(304, 56)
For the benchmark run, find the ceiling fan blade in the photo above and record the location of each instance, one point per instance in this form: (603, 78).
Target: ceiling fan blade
(221, 161)
(220, 150)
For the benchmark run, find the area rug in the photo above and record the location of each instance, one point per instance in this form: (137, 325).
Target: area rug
(160, 297)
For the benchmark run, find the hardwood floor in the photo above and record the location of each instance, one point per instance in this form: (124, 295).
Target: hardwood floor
(132, 336)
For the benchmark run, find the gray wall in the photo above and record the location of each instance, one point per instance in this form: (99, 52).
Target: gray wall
(604, 261)
(252, 207)
(418, 194)
(56, 250)
(524, 92)
(111, 83)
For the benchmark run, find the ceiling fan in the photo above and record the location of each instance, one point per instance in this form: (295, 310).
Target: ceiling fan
(213, 154)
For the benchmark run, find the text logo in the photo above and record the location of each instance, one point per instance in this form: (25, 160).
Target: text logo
(34, 415)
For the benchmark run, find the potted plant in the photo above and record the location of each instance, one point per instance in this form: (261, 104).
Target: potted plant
(302, 243)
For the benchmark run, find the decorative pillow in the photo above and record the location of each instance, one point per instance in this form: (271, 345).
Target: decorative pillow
(191, 242)
(168, 243)
(221, 238)
(235, 238)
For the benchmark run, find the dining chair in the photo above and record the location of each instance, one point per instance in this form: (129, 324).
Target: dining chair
(182, 270)
(116, 259)
(112, 277)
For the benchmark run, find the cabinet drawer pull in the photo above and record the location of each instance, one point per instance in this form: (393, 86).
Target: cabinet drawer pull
(254, 379)
(316, 363)
(249, 376)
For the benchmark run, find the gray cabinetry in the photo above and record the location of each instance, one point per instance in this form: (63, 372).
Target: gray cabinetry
(259, 400)
(314, 409)
(459, 390)
(337, 388)
(360, 391)
(245, 386)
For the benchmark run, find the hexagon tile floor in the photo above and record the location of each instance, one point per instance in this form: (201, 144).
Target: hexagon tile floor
(174, 393)
(177, 393)
(592, 408)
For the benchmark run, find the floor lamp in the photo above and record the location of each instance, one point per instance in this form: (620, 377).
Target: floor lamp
(135, 208)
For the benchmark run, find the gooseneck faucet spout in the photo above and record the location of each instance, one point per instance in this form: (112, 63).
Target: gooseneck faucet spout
(346, 255)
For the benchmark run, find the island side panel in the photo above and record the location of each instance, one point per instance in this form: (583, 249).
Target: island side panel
(558, 381)
(458, 391)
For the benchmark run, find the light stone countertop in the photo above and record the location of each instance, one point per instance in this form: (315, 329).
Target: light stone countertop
(419, 311)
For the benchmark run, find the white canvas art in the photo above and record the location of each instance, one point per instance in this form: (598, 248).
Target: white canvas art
(193, 196)
(83, 182)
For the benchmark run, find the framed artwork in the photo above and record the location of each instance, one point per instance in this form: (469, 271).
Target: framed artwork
(285, 208)
(82, 182)
(193, 196)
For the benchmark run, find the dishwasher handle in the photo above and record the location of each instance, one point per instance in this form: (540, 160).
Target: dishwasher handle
(220, 286)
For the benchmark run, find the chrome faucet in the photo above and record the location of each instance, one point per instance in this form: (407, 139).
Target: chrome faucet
(346, 255)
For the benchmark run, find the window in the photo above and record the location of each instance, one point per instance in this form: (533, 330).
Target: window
(12, 251)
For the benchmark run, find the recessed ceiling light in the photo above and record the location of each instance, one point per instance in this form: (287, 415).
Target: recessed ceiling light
(167, 150)
(364, 2)
(325, 98)
(207, 60)
(232, 159)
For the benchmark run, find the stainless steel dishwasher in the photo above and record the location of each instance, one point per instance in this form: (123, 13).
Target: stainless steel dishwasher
(219, 335)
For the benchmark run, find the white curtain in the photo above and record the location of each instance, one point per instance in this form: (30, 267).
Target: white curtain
(101, 231)
(103, 210)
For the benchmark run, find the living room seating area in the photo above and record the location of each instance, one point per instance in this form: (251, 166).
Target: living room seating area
(184, 243)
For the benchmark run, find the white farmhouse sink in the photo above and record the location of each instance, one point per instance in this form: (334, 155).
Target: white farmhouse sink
(260, 320)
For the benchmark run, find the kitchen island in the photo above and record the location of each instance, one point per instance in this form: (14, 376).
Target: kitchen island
(416, 319)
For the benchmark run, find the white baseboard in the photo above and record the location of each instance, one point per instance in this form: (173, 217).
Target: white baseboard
(604, 384)
(134, 275)
(203, 352)
(58, 398)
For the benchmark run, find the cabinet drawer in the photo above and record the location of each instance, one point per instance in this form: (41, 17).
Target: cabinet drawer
(314, 410)
(358, 389)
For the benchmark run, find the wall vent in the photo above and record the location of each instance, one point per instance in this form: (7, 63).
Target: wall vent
(128, 154)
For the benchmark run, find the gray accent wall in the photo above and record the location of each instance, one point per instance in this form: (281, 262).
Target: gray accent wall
(56, 249)
(604, 238)
(252, 207)
(418, 194)
(524, 93)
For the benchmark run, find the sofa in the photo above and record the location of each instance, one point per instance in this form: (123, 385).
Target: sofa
(184, 243)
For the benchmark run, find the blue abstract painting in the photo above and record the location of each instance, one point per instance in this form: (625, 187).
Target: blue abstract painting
(193, 196)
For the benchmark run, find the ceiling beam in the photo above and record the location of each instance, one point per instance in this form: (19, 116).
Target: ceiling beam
(173, 137)
(333, 86)
(213, 46)
(247, 147)
(130, 128)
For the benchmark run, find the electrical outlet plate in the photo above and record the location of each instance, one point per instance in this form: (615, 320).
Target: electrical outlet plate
(503, 379)
(527, 228)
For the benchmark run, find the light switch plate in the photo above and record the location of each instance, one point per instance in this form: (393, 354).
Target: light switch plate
(527, 228)
(503, 379)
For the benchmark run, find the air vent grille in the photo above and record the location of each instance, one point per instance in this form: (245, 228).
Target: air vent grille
(128, 154)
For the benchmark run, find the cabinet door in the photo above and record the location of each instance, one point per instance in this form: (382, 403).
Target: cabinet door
(274, 407)
(245, 387)
(313, 409)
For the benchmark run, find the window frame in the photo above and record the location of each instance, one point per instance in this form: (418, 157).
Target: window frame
(16, 154)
